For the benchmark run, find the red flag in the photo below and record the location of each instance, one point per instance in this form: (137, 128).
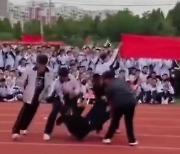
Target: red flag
(138, 46)
(27, 38)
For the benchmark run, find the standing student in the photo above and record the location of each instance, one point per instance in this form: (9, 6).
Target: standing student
(67, 91)
(123, 102)
(36, 82)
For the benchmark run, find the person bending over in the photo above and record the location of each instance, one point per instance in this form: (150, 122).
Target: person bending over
(123, 102)
(67, 91)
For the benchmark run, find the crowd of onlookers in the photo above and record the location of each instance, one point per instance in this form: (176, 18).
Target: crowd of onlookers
(151, 79)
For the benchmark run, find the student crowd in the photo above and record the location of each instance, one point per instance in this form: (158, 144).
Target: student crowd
(151, 79)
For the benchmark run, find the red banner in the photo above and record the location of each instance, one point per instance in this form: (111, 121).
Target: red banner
(32, 38)
(54, 43)
(138, 46)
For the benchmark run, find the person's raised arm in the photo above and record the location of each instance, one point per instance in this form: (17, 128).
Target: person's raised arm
(113, 58)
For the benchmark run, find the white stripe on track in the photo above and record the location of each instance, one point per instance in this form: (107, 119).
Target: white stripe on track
(74, 145)
(123, 134)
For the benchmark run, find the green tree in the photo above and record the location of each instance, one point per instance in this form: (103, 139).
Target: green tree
(96, 23)
(174, 16)
(6, 25)
(32, 27)
(154, 23)
(17, 30)
(123, 22)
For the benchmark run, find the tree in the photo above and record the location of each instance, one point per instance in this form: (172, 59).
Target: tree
(75, 31)
(6, 25)
(174, 16)
(123, 22)
(154, 23)
(96, 23)
(17, 30)
(32, 27)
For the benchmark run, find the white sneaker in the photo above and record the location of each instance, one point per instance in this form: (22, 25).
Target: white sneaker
(162, 101)
(106, 141)
(15, 136)
(139, 102)
(46, 137)
(166, 101)
(24, 132)
(134, 143)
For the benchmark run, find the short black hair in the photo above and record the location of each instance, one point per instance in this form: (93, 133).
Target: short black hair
(3, 80)
(108, 75)
(138, 70)
(63, 72)
(96, 76)
(149, 77)
(90, 69)
(145, 67)
(42, 59)
(165, 74)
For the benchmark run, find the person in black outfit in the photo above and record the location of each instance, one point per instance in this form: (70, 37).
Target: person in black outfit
(67, 92)
(35, 78)
(123, 102)
(98, 115)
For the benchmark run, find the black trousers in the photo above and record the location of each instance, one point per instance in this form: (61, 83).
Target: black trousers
(118, 112)
(25, 116)
(98, 115)
(56, 108)
(72, 105)
(166, 94)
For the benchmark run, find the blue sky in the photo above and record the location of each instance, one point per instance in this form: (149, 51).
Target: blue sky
(135, 9)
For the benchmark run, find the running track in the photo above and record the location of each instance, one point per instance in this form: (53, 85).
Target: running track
(157, 129)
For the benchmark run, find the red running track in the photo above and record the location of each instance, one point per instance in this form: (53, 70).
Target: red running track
(157, 130)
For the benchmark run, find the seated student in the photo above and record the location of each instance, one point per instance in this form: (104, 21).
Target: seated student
(155, 94)
(164, 77)
(11, 79)
(22, 65)
(144, 74)
(145, 94)
(5, 93)
(167, 92)
(153, 75)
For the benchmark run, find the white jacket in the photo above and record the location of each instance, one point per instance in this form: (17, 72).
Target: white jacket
(71, 86)
(28, 81)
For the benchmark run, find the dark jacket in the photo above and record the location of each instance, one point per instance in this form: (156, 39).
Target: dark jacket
(120, 94)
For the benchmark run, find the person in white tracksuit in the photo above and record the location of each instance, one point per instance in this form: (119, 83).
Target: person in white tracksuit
(37, 83)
